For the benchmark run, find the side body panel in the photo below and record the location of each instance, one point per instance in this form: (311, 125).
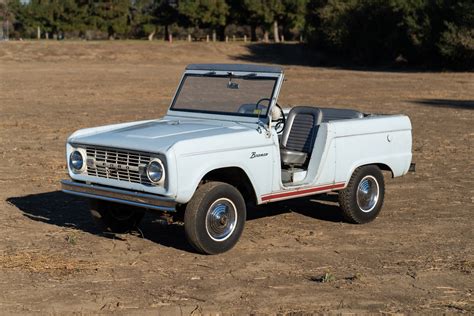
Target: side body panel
(373, 140)
(342, 146)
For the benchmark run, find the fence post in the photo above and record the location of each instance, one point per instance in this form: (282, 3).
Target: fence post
(245, 38)
(233, 38)
(170, 38)
(207, 38)
(189, 38)
(227, 39)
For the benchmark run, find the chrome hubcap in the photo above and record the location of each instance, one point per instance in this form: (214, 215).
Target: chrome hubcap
(221, 219)
(367, 194)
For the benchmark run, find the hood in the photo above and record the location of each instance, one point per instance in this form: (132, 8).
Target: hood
(154, 136)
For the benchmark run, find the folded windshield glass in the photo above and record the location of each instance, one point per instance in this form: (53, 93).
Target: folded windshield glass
(248, 95)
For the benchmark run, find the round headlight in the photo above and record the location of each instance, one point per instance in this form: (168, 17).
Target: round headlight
(76, 161)
(154, 171)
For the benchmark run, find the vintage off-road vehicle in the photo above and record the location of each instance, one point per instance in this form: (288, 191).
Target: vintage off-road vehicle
(226, 143)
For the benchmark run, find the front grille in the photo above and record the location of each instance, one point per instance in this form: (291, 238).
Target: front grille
(117, 164)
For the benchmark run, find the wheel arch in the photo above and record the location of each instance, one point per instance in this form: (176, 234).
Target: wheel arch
(380, 165)
(234, 176)
(384, 167)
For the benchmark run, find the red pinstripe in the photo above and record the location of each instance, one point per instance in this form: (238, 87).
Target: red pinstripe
(299, 192)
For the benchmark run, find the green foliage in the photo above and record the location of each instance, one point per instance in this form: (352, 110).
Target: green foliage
(379, 31)
(365, 31)
(111, 16)
(295, 11)
(263, 12)
(369, 30)
(456, 44)
(204, 13)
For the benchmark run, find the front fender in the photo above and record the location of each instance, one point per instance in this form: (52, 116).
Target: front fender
(192, 168)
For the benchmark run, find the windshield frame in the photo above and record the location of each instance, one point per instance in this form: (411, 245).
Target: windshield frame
(245, 117)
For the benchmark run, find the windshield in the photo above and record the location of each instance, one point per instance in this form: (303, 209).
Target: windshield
(230, 95)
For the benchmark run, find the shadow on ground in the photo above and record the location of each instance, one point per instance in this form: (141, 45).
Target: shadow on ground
(299, 54)
(447, 103)
(56, 208)
(64, 210)
(283, 54)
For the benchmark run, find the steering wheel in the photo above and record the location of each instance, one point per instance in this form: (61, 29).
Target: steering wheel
(281, 122)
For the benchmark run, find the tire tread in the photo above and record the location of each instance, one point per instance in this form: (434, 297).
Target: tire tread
(193, 212)
(347, 196)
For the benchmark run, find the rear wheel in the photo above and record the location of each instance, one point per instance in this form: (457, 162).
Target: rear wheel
(115, 217)
(362, 199)
(214, 218)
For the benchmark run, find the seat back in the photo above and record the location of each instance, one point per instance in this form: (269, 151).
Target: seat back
(330, 114)
(301, 129)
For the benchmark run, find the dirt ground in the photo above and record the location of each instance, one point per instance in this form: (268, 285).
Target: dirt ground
(418, 256)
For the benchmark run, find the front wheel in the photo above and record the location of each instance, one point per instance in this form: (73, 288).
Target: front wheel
(362, 199)
(214, 218)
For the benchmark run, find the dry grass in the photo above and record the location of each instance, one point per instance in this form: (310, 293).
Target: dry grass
(35, 261)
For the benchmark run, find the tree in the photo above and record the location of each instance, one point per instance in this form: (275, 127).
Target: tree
(294, 15)
(271, 14)
(165, 13)
(264, 13)
(70, 16)
(39, 14)
(456, 40)
(369, 31)
(111, 16)
(206, 14)
(141, 18)
(7, 17)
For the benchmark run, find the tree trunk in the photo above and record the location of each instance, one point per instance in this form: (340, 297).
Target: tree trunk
(167, 32)
(111, 33)
(221, 32)
(151, 35)
(253, 33)
(276, 36)
(265, 36)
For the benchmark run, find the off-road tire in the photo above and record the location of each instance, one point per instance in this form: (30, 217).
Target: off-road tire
(114, 217)
(208, 197)
(348, 202)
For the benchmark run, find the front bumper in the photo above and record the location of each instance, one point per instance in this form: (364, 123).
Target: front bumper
(134, 198)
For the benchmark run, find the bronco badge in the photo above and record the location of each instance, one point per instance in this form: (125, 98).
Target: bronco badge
(255, 155)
